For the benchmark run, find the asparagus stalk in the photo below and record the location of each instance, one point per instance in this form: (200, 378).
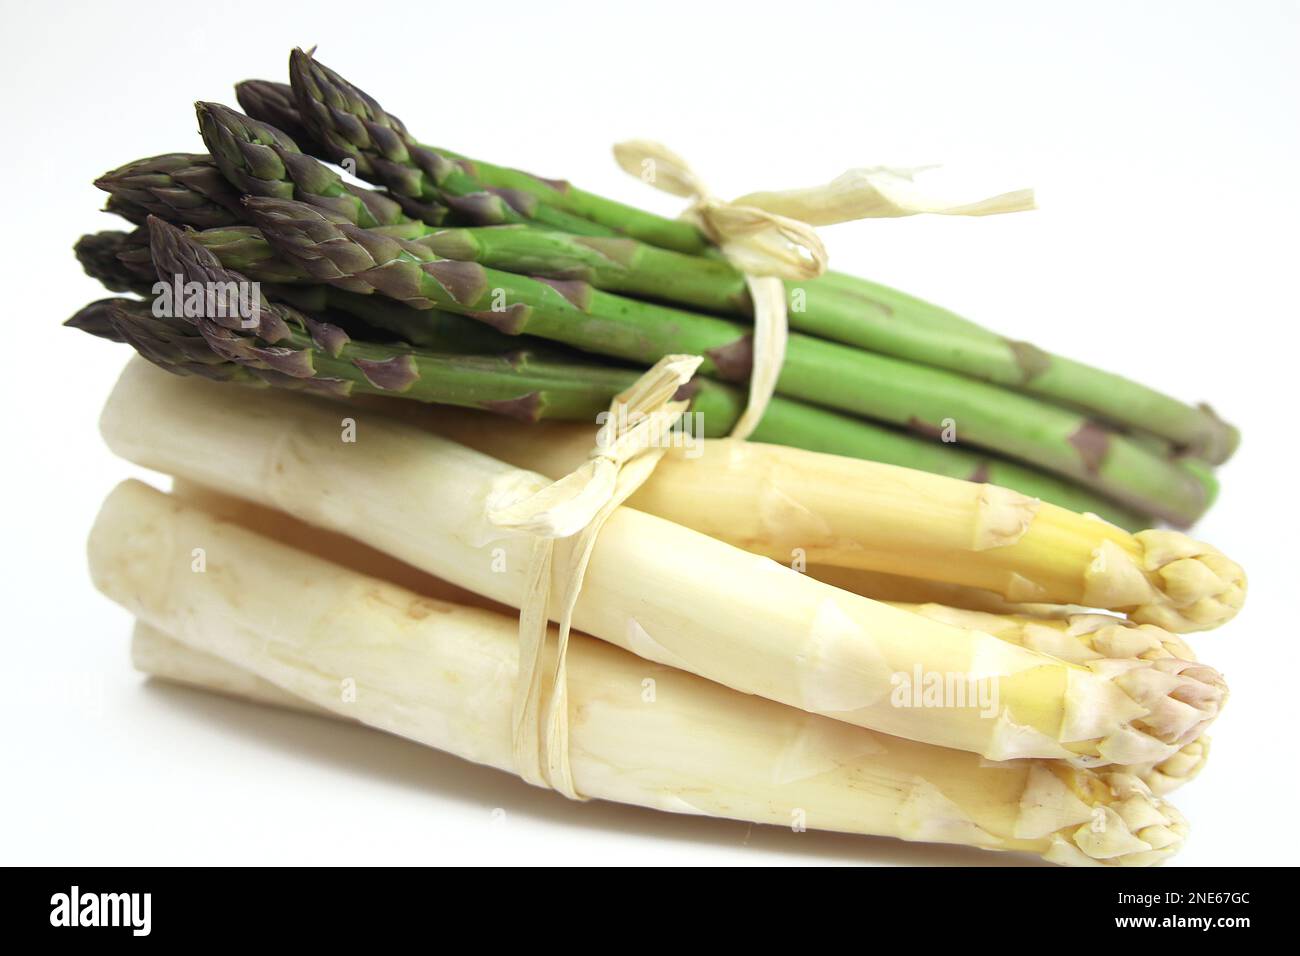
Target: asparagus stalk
(100, 256)
(788, 503)
(332, 250)
(842, 308)
(319, 358)
(908, 327)
(800, 642)
(443, 675)
(180, 187)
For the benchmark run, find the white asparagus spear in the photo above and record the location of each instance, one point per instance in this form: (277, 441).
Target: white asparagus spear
(662, 591)
(774, 500)
(641, 733)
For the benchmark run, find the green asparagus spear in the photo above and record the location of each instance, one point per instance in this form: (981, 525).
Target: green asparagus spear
(99, 254)
(181, 187)
(329, 249)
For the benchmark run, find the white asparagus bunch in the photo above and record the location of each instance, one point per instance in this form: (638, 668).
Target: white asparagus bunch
(849, 513)
(664, 592)
(1070, 636)
(1078, 637)
(443, 675)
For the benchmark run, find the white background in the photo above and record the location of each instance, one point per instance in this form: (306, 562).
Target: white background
(1161, 137)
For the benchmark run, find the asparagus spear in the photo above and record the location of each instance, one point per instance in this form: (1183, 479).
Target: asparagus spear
(835, 510)
(100, 256)
(159, 655)
(180, 187)
(332, 250)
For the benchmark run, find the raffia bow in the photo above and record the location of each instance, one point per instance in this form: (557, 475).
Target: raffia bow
(769, 236)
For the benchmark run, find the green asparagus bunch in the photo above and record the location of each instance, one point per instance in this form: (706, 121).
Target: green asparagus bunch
(352, 125)
(476, 284)
(239, 337)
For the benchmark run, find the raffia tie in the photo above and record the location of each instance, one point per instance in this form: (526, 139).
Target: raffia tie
(769, 236)
(630, 444)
